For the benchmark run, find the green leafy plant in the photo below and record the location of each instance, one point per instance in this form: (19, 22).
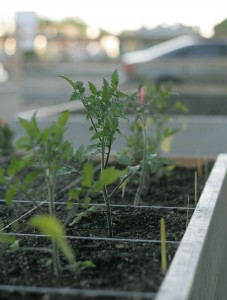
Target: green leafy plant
(6, 138)
(103, 108)
(152, 107)
(44, 152)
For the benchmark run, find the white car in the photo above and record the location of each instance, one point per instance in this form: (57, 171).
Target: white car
(184, 59)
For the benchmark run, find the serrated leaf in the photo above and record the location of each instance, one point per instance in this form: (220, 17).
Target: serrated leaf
(63, 118)
(97, 135)
(68, 151)
(92, 88)
(75, 96)
(105, 89)
(115, 79)
(80, 154)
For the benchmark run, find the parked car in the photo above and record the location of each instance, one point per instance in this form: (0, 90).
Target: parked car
(184, 59)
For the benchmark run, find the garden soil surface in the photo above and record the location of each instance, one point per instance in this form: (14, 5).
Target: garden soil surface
(130, 262)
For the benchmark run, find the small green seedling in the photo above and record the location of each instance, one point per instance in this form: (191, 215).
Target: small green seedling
(44, 153)
(152, 108)
(103, 108)
(53, 228)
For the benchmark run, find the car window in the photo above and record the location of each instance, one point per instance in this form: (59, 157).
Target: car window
(200, 51)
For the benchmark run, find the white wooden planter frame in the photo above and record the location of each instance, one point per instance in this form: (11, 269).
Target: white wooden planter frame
(199, 268)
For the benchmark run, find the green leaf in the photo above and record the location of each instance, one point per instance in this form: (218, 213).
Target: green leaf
(92, 88)
(78, 218)
(121, 94)
(92, 209)
(124, 160)
(30, 127)
(75, 193)
(10, 193)
(83, 214)
(85, 263)
(133, 169)
(115, 79)
(155, 164)
(80, 154)
(63, 118)
(151, 157)
(69, 81)
(25, 124)
(86, 203)
(52, 227)
(66, 170)
(75, 96)
(30, 177)
(180, 107)
(105, 89)
(23, 143)
(107, 176)
(88, 174)
(68, 151)
(98, 135)
(15, 166)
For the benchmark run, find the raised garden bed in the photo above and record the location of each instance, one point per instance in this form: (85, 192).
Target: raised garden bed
(130, 263)
(127, 266)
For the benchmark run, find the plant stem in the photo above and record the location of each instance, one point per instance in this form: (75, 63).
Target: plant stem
(108, 154)
(108, 212)
(105, 193)
(119, 184)
(143, 169)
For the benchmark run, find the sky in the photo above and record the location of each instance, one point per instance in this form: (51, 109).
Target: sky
(119, 15)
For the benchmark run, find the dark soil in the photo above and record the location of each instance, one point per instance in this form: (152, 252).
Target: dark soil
(121, 266)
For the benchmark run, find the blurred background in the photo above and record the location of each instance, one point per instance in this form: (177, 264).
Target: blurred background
(87, 40)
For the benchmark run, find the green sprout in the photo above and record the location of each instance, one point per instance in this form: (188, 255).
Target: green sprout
(103, 108)
(152, 107)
